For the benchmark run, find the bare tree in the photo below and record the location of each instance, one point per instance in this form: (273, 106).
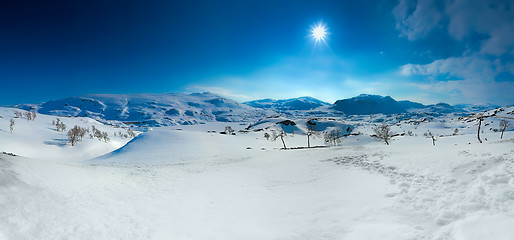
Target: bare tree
(61, 127)
(11, 126)
(105, 137)
(281, 134)
(311, 132)
(131, 133)
(334, 136)
(28, 115)
(229, 130)
(18, 114)
(503, 126)
(73, 135)
(383, 132)
(34, 115)
(479, 125)
(432, 136)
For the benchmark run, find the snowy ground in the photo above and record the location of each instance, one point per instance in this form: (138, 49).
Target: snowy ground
(191, 184)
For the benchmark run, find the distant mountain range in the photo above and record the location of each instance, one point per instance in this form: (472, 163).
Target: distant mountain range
(184, 109)
(151, 109)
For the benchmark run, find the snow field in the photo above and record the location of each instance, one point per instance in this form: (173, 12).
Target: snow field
(184, 182)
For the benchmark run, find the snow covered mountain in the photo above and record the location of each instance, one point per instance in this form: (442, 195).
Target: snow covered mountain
(365, 104)
(150, 109)
(301, 103)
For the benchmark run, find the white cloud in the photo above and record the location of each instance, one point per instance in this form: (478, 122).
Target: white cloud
(415, 19)
(470, 79)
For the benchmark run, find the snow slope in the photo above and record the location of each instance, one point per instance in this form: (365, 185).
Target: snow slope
(191, 182)
(39, 138)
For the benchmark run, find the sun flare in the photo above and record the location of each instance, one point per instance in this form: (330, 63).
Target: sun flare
(319, 32)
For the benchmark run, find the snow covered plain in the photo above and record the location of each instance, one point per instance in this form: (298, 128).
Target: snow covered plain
(187, 182)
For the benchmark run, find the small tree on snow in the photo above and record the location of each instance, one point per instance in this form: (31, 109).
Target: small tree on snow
(311, 132)
(281, 134)
(383, 132)
(11, 125)
(229, 130)
(76, 134)
(432, 136)
(333, 137)
(480, 119)
(73, 135)
(503, 126)
(28, 115)
(130, 133)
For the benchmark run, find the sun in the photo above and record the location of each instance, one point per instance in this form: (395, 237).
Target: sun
(319, 32)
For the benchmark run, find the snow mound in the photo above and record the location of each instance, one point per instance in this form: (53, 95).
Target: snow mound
(166, 146)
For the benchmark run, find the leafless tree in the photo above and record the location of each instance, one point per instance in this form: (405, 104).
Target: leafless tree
(280, 134)
(34, 115)
(383, 132)
(432, 136)
(11, 126)
(131, 133)
(479, 125)
(74, 135)
(504, 124)
(105, 137)
(18, 114)
(229, 130)
(333, 136)
(311, 132)
(60, 126)
(28, 115)
(267, 136)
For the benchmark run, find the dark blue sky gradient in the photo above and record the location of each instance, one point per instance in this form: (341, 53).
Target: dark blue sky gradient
(56, 49)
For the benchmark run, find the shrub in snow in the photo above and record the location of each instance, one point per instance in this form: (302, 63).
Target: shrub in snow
(383, 133)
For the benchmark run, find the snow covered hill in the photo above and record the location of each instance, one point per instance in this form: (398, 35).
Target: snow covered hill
(301, 103)
(365, 104)
(150, 109)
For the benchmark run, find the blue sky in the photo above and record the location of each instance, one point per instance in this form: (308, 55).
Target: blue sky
(459, 51)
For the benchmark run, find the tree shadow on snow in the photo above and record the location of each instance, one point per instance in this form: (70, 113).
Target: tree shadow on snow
(57, 142)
